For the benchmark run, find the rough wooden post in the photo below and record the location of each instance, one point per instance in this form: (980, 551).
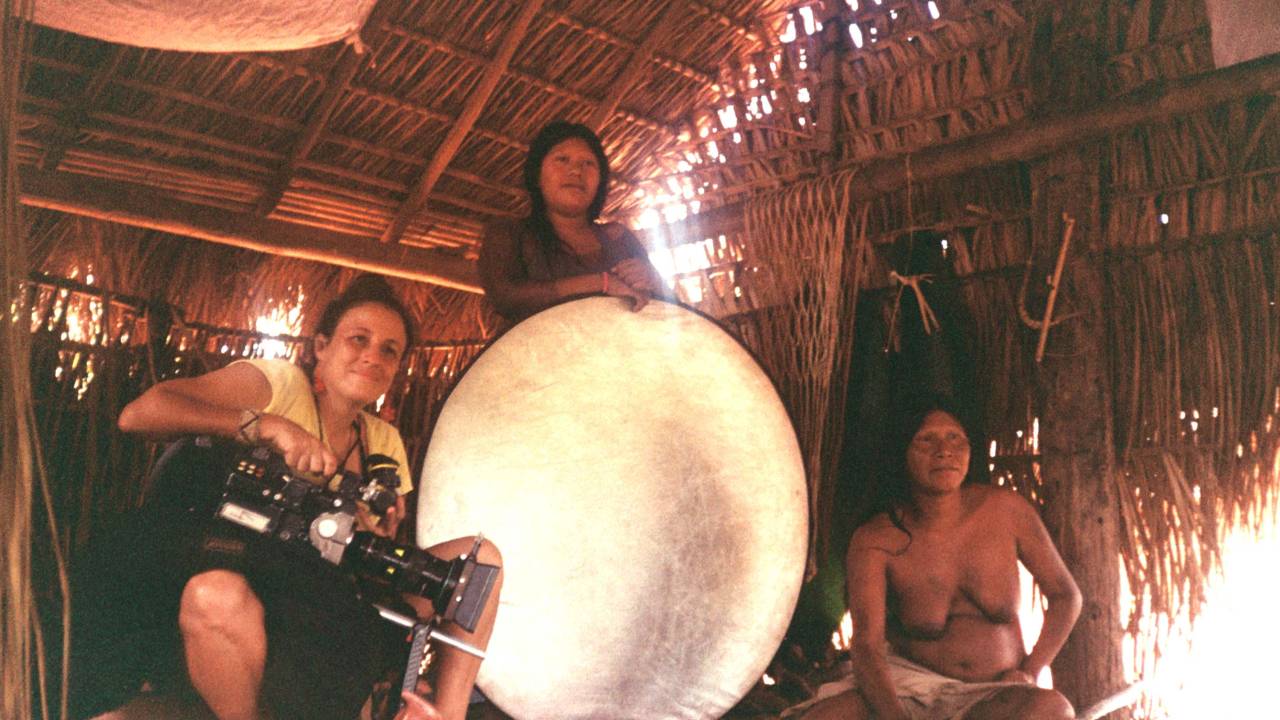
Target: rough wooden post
(1078, 460)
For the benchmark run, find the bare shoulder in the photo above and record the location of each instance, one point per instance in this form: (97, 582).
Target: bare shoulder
(1002, 506)
(994, 497)
(878, 536)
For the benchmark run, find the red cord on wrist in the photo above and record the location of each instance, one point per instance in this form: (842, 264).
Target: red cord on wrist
(604, 283)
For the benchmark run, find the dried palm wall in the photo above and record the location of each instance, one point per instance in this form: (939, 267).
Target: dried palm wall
(21, 477)
(1174, 318)
(142, 307)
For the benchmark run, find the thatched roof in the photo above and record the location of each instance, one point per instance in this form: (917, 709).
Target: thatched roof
(390, 151)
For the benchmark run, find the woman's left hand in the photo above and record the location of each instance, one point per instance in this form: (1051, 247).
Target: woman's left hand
(388, 525)
(637, 274)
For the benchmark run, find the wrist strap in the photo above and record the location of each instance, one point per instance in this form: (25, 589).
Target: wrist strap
(249, 430)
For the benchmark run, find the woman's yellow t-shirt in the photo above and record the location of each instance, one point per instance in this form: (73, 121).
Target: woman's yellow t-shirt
(291, 398)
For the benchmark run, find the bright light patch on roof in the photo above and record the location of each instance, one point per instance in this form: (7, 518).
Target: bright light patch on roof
(728, 117)
(284, 319)
(788, 35)
(803, 95)
(855, 32)
(649, 218)
(675, 213)
(933, 10)
(1164, 218)
(806, 14)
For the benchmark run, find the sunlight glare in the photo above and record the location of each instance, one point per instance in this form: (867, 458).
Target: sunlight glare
(1226, 668)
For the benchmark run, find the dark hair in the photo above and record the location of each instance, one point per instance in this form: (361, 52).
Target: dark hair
(547, 138)
(366, 288)
(891, 490)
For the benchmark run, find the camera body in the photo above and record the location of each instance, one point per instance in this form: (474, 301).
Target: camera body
(262, 494)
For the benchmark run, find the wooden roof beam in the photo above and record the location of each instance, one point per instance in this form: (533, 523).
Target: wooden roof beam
(720, 17)
(1033, 137)
(335, 85)
(409, 159)
(75, 112)
(632, 115)
(139, 207)
(634, 69)
(675, 65)
(458, 132)
(349, 63)
(220, 151)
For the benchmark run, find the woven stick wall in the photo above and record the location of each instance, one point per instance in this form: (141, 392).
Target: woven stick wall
(813, 250)
(95, 351)
(227, 287)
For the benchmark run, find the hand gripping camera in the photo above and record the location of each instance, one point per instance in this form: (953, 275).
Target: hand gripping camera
(262, 494)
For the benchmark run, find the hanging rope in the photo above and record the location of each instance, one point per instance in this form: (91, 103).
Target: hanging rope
(927, 317)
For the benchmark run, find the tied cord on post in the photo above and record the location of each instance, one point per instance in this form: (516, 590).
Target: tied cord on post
(927, 318)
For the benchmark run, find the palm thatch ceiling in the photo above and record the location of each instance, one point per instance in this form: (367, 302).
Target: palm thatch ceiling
(388, 151)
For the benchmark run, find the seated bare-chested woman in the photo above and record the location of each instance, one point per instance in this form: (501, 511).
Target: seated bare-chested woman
(934, 592)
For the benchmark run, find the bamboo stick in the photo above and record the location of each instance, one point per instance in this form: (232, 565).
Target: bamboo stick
(94, 199)
(476, 102)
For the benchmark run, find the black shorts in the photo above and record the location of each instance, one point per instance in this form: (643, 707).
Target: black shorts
(325, 646)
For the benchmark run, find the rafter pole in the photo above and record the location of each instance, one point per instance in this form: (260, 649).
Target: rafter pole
(336, 84)
(137, 207)
(645, 121)
(675, 65)
(634, 70)
(1035, 137)
(462, 126)
(74, 114)
(725, 20)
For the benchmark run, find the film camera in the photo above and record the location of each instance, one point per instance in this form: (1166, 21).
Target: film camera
(259, 492)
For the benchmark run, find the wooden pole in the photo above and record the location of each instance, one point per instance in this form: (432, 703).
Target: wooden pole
(336, 87)
(673, 64)
(129, 205)
(74, 114)
(637, 67)
(1039, 136)
(647, 122)
(462, 126)
(1077, 454)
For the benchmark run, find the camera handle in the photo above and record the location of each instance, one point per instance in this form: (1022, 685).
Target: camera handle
(430, 632)
(419, 634)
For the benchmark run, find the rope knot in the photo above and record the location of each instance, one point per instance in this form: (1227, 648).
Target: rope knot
(927, 318)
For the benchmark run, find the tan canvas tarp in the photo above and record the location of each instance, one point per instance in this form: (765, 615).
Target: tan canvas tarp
(208, 25)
